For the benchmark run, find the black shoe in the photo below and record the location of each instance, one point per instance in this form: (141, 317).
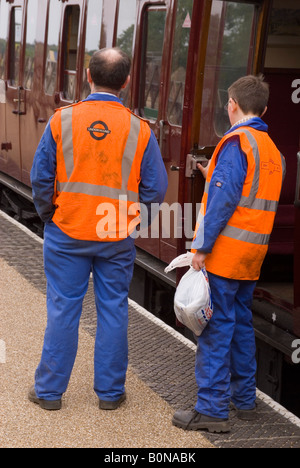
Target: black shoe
(112, 405)
(45, 404)
(194, 421)
(247, 415)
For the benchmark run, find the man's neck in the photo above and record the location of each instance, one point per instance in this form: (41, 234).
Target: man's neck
(240, 116)
(96, 89)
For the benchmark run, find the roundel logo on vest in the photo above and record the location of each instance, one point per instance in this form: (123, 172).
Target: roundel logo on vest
(98, 130)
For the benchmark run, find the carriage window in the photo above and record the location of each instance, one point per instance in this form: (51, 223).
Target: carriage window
(70, 39)
(179, 60)
(126, 25)
(15, 45)
(154, 29)
(229, 56)
(30, 42)
(283, 48)
(92, 40)
(52, 46)
(3, 36)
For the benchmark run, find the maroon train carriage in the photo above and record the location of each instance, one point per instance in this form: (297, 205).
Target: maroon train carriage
(185, 55)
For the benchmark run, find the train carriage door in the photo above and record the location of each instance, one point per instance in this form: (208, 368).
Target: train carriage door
(174, 127)
(148, 75)
(297, 252)
(225, 49)
(14, 94)
(160, 64)
(282, 72)
(30, 84)
(4, 146)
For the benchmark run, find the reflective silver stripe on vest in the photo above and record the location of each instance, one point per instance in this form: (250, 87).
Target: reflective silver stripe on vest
(246, 236)
(255, 182)
(283, 167)
(206, 188)
(67, 139)
(259, 204)
(130, 150)
(98, 190)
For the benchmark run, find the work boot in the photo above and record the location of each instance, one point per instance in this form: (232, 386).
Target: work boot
(45, 404)
(194, 421)
(247, 415)
(112, 405)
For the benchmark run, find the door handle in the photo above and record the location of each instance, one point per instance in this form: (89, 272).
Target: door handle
(18, 101)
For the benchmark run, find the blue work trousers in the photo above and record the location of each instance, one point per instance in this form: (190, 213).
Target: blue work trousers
(68, 264)
(225, 359)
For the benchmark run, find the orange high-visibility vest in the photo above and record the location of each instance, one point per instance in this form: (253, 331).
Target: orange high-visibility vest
(100, 147)
(241, 247)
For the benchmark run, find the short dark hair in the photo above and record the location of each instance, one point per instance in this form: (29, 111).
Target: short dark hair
(251, 93)
(110, 68)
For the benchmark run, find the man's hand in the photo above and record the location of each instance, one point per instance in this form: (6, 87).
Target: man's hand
(203, 170)
(199, 261)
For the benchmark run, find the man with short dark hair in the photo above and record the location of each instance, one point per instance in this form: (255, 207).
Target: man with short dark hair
(95, 165)
(243, 186)
(110, 68)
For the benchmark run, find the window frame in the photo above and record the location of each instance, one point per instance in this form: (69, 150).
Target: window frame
(12, 47)
(168, 113)
(143, 59)
(25, 47)
(209, 134)
(84, 85)
(65, 72)
(46, 50)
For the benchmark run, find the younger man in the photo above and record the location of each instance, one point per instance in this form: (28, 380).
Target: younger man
(243, 186)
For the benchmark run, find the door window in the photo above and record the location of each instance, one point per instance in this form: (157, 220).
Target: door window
(3, 35)
(283, 48)
(229, 56)
(126, 24)
(52, 46)
(153, 39)
(92, 39)
(70, 39)
(125, 34)
(179, 60)
(30, 43)
(15, 45)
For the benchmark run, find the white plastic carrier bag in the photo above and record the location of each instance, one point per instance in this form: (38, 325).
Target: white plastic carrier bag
(181, 261)
(192, 301)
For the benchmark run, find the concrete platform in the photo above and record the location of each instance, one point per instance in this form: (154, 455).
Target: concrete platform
(160, 377)
(143, 421)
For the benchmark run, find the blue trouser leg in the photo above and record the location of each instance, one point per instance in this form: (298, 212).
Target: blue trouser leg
(112, 274)
(226, 349)
(68, 263)
(243, 360)
(67, 281)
